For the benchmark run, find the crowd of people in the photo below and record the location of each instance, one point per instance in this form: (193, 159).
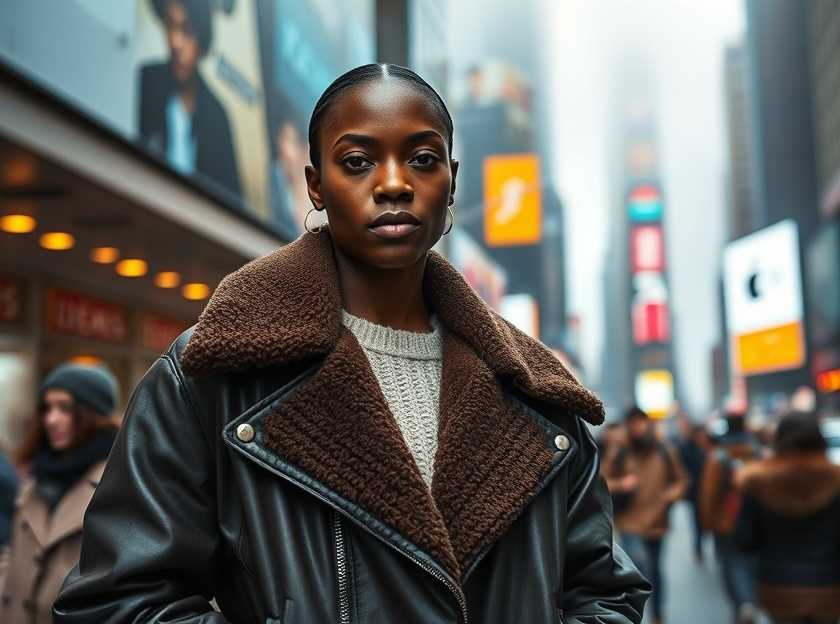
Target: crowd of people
(769, 499)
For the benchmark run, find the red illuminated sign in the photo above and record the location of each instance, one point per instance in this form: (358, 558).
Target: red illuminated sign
(11, 301)
(158, 332)
(829, 381)
(647, 249)
(79, 315)
(651, 323)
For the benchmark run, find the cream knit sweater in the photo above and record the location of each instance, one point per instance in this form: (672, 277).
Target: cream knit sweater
(408, 367)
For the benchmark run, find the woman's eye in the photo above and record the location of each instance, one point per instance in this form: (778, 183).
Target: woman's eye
(356, 163)
(424, 160)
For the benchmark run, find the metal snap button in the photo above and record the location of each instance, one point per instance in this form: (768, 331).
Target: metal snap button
(562, 442)
(245, 432)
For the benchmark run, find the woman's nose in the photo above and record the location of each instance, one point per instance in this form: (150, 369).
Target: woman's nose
(394, 186)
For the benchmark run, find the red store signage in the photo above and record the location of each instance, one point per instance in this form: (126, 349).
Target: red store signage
(11, 301)
(79, 315)
(647, 250)
(158, 332)
(651, 323)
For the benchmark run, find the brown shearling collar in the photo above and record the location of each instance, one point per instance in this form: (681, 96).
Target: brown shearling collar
(796, 485)
(286, 307)
(492, 456)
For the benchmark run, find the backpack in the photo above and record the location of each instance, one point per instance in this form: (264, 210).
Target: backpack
(621, 500)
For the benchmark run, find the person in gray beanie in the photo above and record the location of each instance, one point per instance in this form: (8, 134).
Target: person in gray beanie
(93, 386)
(63, 457)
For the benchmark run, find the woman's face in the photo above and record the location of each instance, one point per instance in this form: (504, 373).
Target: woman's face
(59, 419)
(386, 176)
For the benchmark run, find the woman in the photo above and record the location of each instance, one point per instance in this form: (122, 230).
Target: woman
(65, 454)
(349, 434)
(790, 516)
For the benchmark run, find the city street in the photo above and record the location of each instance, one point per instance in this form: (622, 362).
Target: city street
(694, 592)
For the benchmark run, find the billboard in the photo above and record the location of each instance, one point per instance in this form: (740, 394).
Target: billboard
(480, 271)
(655, 392)
(512, 200)
(220, 92)
(644, 203)
(647, 249)
(763, 300)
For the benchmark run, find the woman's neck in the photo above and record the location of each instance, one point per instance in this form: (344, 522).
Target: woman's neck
(390, 297)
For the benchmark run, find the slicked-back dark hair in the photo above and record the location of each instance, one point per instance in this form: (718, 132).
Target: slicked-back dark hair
(369, 73)
(199, 15)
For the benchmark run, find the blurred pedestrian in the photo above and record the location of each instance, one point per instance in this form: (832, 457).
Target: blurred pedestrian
(790, 517)
(8, 493)
(612, 439)
(720, 502)
(645, 478)
(64, 456)
(350, 434)
(692, 444)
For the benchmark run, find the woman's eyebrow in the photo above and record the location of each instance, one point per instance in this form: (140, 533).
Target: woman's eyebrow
(362, 139)
(425, 134)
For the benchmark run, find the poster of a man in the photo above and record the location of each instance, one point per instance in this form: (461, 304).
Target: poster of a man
(178, 114)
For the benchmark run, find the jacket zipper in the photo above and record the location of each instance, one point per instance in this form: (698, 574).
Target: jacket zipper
(341, 568)
(456, 591)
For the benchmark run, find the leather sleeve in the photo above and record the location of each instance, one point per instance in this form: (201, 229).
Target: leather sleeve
(601, 582)
(149, 534)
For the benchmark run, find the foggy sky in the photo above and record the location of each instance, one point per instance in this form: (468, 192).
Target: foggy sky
(687, 40)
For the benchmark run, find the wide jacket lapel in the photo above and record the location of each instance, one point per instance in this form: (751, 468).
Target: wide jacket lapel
(494, 454)
(335, 426)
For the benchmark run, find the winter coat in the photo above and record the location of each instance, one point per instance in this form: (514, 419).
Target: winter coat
(662, 482)
(791, 518)
(258, 464)
(43, 549)
(719, 498)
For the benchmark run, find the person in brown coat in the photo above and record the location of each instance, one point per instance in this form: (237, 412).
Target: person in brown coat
(720, 502)
(645, 479)
(790, 517)
(65, 454)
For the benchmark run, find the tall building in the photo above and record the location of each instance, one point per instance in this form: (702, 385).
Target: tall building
(790, 59)
(507, 200)
(743, 208)
(823, 250)
(781, 111)
(637, 360)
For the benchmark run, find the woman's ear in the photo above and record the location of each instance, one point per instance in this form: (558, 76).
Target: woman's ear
(313, 187)
(453, 165)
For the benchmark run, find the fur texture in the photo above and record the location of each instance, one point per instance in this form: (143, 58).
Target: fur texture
(792, 485)
(492, 456)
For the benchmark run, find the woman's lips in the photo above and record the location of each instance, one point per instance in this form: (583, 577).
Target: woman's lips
(394, 230)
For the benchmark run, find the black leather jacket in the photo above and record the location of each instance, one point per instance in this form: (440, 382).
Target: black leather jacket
(207, 496)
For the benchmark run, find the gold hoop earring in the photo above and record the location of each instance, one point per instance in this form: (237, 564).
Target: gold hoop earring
(451, 222)
(316, 230)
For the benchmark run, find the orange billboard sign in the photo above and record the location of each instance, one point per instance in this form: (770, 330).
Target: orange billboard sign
(512, 200)
(773, 349)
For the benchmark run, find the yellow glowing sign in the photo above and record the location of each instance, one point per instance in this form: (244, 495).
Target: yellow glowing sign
(773, 349)
(512, 200)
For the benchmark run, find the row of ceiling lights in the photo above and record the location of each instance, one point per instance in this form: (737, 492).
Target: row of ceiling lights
(126, 267)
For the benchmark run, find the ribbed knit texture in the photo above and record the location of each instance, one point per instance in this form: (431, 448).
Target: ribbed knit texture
(408, 367)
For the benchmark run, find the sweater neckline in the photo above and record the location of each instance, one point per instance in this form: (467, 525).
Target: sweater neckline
(396, 342)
